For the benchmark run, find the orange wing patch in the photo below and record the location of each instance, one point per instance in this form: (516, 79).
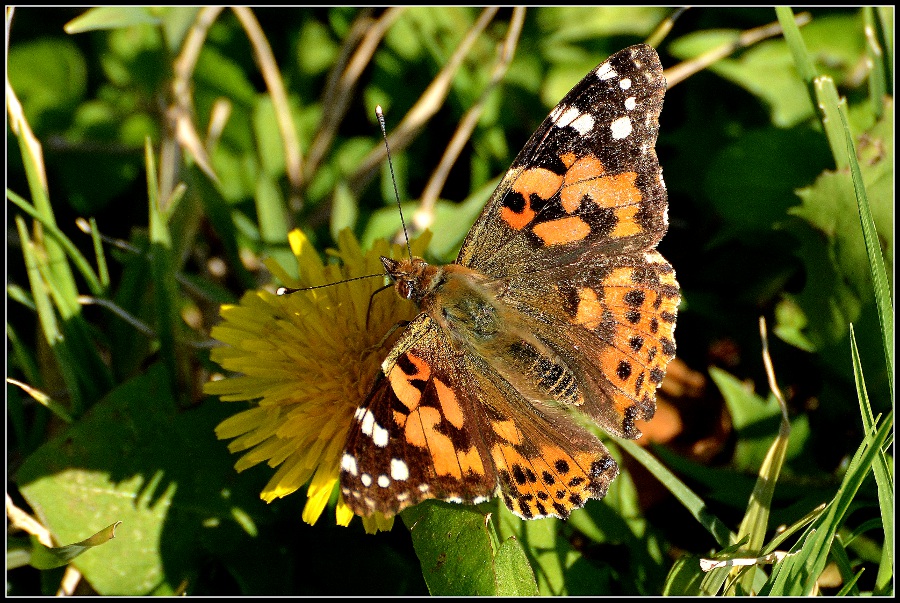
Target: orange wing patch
(536, 181)
(422, 424)
(562, 231)
(547, 202)
(551, 481)
(643, 303)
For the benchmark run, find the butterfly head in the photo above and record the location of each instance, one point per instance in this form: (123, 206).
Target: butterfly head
(413, 278)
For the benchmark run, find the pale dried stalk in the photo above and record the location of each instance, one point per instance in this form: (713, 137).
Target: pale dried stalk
(25, 522)
(424, 215)
(69, 582)
(181, 131)
(427, 105)
(343, 79)
(682, 71)
(262, 52)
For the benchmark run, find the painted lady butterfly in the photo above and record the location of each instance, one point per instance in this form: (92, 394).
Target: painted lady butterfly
(557, 302)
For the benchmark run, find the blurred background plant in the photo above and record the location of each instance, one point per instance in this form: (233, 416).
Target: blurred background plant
(260, 121)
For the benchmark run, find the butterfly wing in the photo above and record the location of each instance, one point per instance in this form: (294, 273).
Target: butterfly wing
(546, 463)
(587, 182)
(610, 323)
(416, 435)
(456, 431)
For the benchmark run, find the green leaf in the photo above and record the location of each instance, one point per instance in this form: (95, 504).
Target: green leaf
(693, 503)
(50, 79)
(160, 472)
(516, 578)
(767, 69)
(751, 183)
(43, 557)
(838, 280)
(316, 49)
(797, 574)
(883, 475)
(456, 551)
(684, 578)
(112, 17)
(756, 421)
(344, 209)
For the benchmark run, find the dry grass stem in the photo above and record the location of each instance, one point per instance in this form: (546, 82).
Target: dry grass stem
(262, 52)
(748, 38)
(343, 79)
(424, 109)
(425, 214)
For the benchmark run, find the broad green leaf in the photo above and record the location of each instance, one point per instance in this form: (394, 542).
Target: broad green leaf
(316, 48)
(49, 77)
(752, 185)
(767, 69)
(838, 278)
(756, 421)
(267, 137)
(457, 554)
(515, 576)
(344, 209)
(161, 473)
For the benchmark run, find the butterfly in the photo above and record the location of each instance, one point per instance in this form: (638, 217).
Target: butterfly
(557, 307)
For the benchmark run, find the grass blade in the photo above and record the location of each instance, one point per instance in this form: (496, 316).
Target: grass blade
(883, 478)
(693, 503)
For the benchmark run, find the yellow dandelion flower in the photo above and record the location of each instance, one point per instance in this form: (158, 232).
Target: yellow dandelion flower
(307, 360)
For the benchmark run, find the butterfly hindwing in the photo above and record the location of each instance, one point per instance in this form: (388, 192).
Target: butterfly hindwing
(611, 322)
(413, 439)
(547, 464)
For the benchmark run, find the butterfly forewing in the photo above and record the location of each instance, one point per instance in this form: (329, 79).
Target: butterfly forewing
(587, 182)
(416, 436)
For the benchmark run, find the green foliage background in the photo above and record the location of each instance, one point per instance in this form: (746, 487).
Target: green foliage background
(762, 223)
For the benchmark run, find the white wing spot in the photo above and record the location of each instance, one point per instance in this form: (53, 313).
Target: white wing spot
(379, 435)
(621, 128)
(566, 117)
(584, 123)
(630, 103)
(480, 499)
(605, 72)
(368, 422)
(399, 470)
(402, 496)
(358, 415)
(348, 464)
(625, 83)
(424, 487)
(366, 479)
(384, 481)
(571, 116)
(455, 499)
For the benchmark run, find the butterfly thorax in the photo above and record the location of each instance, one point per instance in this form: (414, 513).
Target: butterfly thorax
(464, 302)
(473, 310)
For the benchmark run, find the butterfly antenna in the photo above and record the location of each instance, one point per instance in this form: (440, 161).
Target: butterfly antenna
(289, 290)
(380, 114)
